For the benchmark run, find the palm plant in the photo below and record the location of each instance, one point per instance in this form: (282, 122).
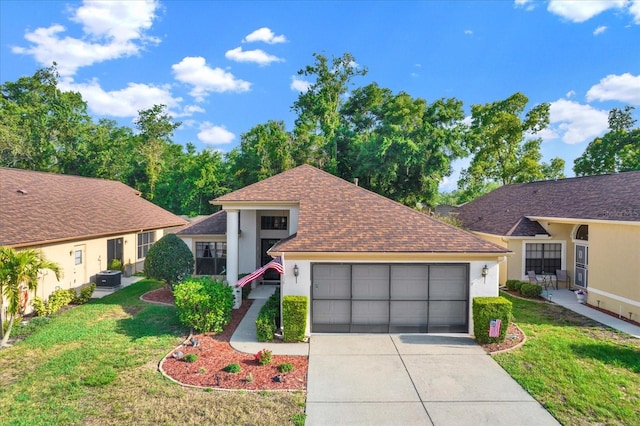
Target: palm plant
(18, 278)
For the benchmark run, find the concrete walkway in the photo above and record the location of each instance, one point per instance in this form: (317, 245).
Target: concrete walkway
(569, 300)
(412, 379)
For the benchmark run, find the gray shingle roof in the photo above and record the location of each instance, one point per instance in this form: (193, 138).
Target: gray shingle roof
(338, 216)
(215, 224)
(614, 197)
(38, 208)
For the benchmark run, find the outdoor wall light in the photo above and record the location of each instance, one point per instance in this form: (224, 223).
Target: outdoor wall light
(296, 271)
(485, 272)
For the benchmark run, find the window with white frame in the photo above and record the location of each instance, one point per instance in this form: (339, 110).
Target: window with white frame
(211, 258)
(543, 257)
(145, 241)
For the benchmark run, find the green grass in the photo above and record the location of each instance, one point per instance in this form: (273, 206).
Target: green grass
(97, 365)
(580, 371)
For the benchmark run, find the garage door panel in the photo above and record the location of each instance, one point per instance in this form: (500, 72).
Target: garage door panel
(447, 312)
(370, 312)
(448, 282)
(331, 311)
(332, 282)
(409, 282)
(409, 313)
(370, 282)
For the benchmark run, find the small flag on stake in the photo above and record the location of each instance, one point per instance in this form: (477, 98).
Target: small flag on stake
(494, 328)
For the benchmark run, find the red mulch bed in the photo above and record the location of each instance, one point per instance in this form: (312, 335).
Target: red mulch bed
(215, 353)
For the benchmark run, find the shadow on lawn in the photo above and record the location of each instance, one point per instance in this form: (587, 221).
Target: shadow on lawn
(623, 357)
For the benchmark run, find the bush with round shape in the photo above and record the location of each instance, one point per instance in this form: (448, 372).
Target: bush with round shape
(169, 260)
(204, 304)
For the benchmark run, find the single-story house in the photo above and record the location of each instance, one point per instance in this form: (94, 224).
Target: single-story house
(589, 226)
(80, 223)
(366, 263)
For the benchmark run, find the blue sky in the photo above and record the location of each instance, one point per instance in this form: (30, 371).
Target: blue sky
(224, 66)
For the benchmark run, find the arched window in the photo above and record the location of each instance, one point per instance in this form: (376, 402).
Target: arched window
(582, 233)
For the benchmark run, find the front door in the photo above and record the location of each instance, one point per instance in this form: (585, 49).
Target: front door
(582, 265)
(271, 276)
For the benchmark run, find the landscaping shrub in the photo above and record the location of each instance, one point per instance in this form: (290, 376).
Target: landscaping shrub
(115, 265)
(268, 318)
(263, 357)
(233, 368)
(294, 318)
(511, 285)
(57, 300)
(530, 290)
(285, 367)
(190, 358)
(85, 294)
(204, 304)
(486, 309)
(169, 260)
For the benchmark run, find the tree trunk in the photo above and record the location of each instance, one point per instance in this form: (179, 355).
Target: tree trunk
(5, 339)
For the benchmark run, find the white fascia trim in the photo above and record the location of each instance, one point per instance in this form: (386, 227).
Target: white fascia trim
(583, 221)
(613, 296)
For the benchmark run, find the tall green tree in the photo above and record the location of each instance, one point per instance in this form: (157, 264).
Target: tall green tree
(404, 146)
(18, 278)
(318, 109)
(41, 127)
(499, 151)
(265, 150)
(618, 150)
(155, 127)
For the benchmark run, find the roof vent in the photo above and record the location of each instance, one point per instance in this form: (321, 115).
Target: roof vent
(21, 191)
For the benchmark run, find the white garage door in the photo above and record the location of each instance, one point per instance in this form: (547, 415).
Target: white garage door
(394, 298)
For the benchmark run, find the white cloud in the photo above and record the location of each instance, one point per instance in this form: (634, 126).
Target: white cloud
(600, 30)
(527, 5)
(623, 88)
(634, 10)
(265, 35)
(215, 135)
(575, 122)
(112, 29)
(581, 11)
(256, 56)
(468, 32)
(570, 94)
(124, 102)
(204, 79)
(299, 84)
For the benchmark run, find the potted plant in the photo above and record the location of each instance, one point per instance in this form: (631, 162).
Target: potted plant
(128, 269)
(581, 295)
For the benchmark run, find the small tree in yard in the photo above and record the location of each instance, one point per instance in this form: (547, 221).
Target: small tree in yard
(18, 277)
(169, 260)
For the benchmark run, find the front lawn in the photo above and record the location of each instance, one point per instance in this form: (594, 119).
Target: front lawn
(580, 371)
(97, 365)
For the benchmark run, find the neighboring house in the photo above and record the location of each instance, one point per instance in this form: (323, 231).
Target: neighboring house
(589, 226)
(80, 223)
(366, 263)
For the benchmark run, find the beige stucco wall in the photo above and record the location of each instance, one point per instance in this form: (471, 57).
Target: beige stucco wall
(94, 260)
(614, 268)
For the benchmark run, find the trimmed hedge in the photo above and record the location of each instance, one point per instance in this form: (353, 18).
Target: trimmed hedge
(204, 304)
(268, 320)
(294, 318)
(530, 290)
(486, 309)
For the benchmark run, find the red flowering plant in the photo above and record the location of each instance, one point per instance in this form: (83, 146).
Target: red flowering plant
(263, 357)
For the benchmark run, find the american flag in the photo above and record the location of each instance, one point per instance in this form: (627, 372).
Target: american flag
(274, 264)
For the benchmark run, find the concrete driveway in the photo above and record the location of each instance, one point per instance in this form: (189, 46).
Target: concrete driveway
(412, 379)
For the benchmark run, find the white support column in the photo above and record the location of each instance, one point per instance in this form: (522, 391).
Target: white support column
(232, 255)
(293, 220)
